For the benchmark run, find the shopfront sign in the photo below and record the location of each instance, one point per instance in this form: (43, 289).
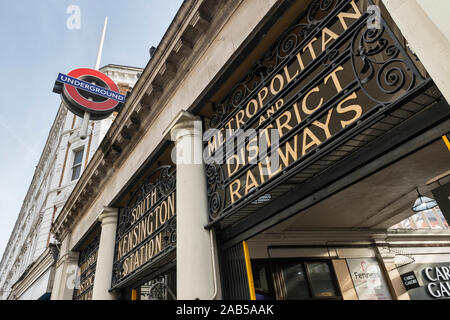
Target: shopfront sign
(146, 230)
(433, 280)
(439, 281)
(368, 279)
(88, 90)
(327, 78)
(409, 280)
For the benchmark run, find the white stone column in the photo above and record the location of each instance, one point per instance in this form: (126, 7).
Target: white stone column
(195, 278)
(66, 272)
(423, 32)
(105, 255)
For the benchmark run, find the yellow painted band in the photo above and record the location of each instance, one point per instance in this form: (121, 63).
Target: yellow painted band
(248, 266)
(134, 294)
(446, 142)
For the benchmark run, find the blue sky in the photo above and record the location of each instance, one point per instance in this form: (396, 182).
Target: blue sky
(35, 46)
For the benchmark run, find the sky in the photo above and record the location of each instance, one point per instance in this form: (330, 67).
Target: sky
(39, 39)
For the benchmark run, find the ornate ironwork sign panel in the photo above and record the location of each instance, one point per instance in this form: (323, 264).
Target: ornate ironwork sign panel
(87, 263)
(146, 231)
(332, 73)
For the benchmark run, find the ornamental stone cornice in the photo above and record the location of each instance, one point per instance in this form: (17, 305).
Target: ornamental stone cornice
(191, 25)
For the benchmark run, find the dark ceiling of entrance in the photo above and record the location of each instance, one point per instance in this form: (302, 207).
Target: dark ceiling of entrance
(380, 200)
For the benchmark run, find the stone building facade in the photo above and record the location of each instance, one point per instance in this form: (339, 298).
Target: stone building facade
(27, 266)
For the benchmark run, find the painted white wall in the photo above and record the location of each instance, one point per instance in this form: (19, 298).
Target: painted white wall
(437, 11)
(425, 25)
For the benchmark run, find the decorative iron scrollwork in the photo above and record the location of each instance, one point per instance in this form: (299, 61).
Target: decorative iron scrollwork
(164, 186)
(375, 69)
(289, 42)
(170, 236)
(382, 69)
(216, 193)
(148, 222)
(87, 262)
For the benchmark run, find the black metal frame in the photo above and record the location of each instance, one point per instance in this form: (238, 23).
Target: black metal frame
(90, 250)
(371, 43)
(273, 270)
(412, 135)
(165, 185)
(234, 277)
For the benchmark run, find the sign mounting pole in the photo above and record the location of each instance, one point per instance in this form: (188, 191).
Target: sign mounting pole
(86, 116)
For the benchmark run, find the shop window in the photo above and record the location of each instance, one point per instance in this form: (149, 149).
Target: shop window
(263, 287)
(294, 280)
(77, 162)
(321, 279)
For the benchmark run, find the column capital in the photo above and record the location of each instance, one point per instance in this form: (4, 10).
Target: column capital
(108, 215)
(185, 123)
(69, 257)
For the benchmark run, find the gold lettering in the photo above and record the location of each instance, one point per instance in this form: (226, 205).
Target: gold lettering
(234, 159)
(261, 97)
(291, 152)
(269, 168)
(331, 36)
(297, 113)
(255, 108)
(300, 61)
(289, 78)
(314, 140)
(304, 107)
(212, 144)
(280, 79)
(171, 204)
(285, 124)
(335, 78)
(279, 103)
(163, 212)
(355, 108)
(239, 118)
(253, 149)
(153, 197)
(325, 126)
(348, 15)
(235, 191)
(249, 185)
(309, 46)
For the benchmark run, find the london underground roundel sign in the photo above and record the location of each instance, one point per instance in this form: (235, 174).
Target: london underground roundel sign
(88, 90)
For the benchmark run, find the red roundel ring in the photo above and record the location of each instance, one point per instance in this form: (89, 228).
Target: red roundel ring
(77, 100)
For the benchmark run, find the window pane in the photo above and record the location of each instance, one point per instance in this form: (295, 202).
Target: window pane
(434, 223)
(260, 280)
(405, 224)
(295, 281)
(78, 157)
(321, 280)
(420, 221)
(76, 172)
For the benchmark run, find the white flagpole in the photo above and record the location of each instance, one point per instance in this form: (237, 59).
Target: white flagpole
(100, 48)
(86, 116)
